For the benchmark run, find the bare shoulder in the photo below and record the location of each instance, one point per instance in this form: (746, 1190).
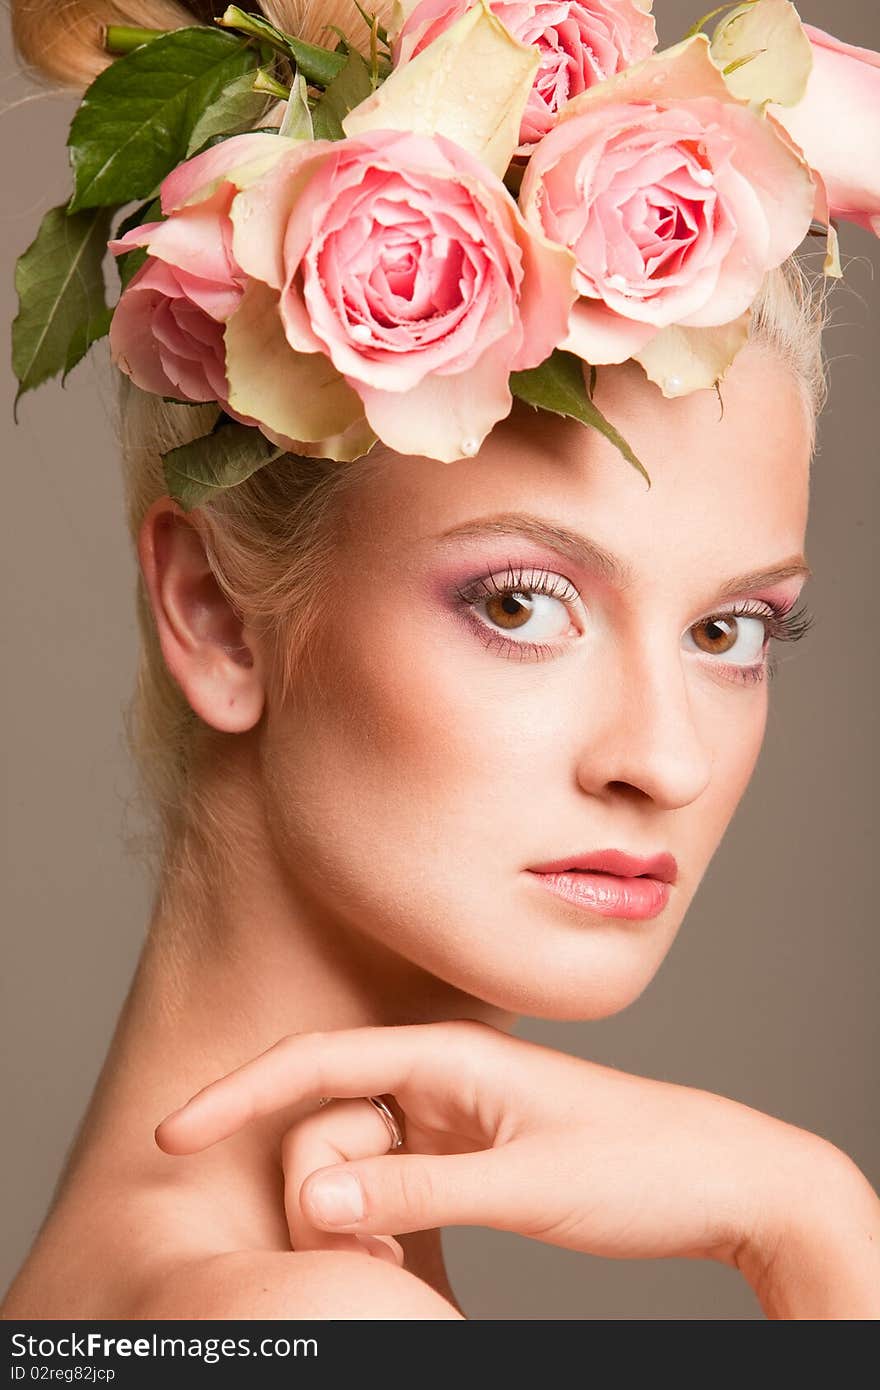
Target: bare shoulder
(288, 1284)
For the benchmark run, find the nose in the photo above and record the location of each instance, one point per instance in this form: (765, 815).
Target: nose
(644, 735)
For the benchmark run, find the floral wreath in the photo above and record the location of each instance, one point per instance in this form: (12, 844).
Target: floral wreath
(494, 200)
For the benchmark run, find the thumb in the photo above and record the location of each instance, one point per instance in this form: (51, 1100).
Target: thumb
(416, 1192)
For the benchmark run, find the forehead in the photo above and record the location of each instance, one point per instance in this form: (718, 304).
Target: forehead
(730, 477)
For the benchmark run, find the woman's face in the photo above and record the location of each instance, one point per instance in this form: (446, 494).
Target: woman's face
(456, 745)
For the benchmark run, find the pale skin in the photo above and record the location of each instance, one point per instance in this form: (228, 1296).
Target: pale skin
(378, 932)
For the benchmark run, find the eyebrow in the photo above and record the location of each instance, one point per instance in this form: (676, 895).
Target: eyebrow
(591, 555)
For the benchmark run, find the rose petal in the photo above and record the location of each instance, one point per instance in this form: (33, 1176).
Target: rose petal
(350, 443)
(837, 125)
(681, 360)
(239, 159)
(772, 32)
(443, 417)
(831, 265)
(133, 347)
(265, 207)
(193, 239)
(471, 85)
(136, 236)
(547, 297)
(600, 336)
(299, 395)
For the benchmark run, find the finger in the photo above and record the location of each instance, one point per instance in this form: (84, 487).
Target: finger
(345, 1130)
(381, 1248)
(417, 1192)
(349, 1062)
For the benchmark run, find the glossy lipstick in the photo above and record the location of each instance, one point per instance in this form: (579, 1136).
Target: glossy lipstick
(611, 882)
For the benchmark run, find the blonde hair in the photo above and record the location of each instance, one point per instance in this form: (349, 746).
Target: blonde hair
(270, 540)
(64, 40)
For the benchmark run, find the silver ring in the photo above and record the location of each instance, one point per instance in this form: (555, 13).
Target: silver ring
(390, 1123)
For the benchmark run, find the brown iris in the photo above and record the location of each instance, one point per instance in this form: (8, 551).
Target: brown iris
(508, 610)
(718, 639)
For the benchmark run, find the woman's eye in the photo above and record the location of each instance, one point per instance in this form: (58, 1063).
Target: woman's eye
(735, 639)
(540, 617)
(532, 611)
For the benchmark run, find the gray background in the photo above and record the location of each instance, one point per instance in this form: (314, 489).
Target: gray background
(769, 993)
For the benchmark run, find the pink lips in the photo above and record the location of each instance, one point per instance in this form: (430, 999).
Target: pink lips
(611, 882)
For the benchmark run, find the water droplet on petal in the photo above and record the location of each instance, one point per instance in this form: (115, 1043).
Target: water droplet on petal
(705, 177)
(469, 446)
(671, 385)
(360, 332)
(658, 79)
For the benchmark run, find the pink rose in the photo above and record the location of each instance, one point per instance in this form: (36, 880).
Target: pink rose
(404, 260)
(837, 125)
(167, 329)
(582, 42)
(675, 197)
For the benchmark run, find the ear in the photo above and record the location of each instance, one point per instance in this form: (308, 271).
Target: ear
(202, 638)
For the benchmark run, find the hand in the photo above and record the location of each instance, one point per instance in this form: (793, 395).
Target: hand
(505, 1133)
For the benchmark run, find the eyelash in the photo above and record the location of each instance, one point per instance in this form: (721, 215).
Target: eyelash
(783, 624)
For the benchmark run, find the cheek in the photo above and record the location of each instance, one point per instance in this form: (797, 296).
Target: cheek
(734, 729)
(417, 714)
(397, 796)
(421, 749)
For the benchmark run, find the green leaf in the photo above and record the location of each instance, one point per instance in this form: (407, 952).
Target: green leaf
(237, 108)
(62, 306)
(95, 327)
(297, 123)
(349, 89)
(558, 385)
(230, 454)
(317, 65)
(344, 44)
(136, 119)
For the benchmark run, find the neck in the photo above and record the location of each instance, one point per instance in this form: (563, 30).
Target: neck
(237, 957)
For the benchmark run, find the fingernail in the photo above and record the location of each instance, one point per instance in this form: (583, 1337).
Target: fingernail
(337, 1199)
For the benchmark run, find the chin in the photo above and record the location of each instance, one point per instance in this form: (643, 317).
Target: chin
(570, 1001)
(591, 974)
